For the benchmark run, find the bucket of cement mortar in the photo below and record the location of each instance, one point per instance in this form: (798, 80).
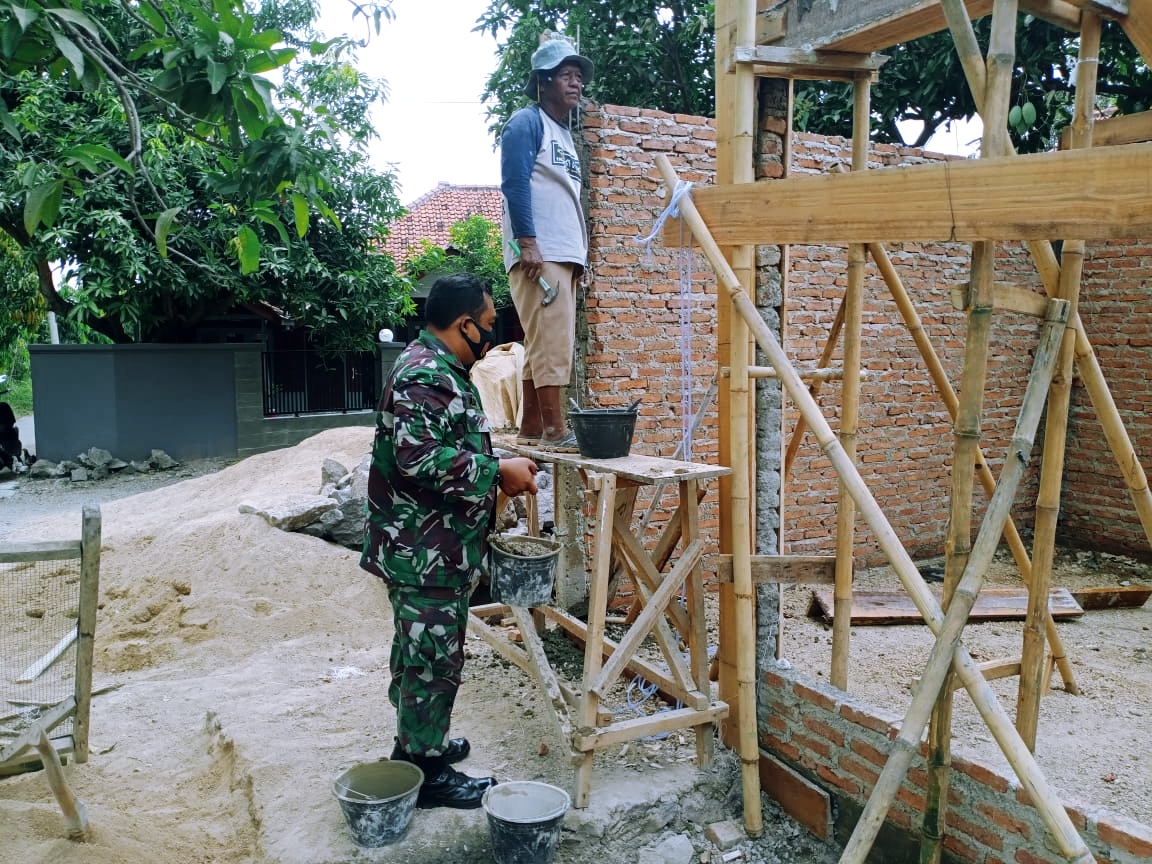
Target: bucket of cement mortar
(523, 569)
(524, 821)
(378, 800)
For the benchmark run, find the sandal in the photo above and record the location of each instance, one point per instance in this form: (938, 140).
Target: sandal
(567, 444)
(528, 440)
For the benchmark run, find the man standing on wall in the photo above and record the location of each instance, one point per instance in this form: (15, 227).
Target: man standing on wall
(431, 505)
(545, 236)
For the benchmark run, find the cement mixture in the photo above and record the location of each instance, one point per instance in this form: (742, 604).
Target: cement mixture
(248, 669)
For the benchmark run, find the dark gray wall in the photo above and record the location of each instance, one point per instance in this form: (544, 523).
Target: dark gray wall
(191, 401)
(131, 399)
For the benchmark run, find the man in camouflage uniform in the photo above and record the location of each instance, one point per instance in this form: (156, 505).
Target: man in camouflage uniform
(431, 504)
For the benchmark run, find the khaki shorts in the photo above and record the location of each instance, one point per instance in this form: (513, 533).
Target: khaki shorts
(549, 331)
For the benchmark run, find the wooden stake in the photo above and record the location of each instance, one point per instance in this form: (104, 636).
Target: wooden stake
(86, 626)
(1047, 803)
(75, 814)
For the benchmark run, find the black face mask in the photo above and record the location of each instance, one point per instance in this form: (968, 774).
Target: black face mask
(487, 340)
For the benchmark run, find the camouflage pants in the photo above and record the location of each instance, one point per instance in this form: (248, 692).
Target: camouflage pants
(426, 663)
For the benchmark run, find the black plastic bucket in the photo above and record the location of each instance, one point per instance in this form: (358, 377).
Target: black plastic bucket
(524, 821)
(378, 800)
(603, 433)
(524, 574)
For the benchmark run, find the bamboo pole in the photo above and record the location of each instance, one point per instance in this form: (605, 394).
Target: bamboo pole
(1047, 803)
(997, 90)
(850, 406)
(814, 388)
(1033, 675)
(736, 27)
(944, 387)
(944, 653)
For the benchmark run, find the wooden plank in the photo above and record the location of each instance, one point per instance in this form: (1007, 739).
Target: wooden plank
(1112, 597)
(1108, 9)
(1013, 298)
(799, 797)
(48, 721)
(52, 550)
(993, 604)
(636, 467)
(1138, 26)
(1115, 131)
(784, 569)
(1098, 193)
(37, 669)
(798, 63)
(588, 740)
(879, 24)
(90, 532)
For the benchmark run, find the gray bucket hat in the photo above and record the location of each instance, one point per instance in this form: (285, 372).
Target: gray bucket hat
(550, 55)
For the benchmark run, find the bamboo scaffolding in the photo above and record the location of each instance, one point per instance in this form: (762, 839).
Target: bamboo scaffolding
(1033, 675)
(947, 650)
(944, 387)
(1047, 803)
(1049, 269)
(738, 167)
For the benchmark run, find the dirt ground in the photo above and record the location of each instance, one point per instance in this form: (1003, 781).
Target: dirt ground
(248, 668)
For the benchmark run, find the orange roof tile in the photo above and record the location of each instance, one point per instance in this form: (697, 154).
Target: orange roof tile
(431, 216)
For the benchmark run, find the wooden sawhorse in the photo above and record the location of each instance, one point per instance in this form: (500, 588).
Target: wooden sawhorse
(585, 726)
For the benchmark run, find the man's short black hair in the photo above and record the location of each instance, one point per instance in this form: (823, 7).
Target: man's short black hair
(453, 296)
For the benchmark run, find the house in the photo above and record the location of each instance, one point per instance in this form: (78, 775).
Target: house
(432, 215)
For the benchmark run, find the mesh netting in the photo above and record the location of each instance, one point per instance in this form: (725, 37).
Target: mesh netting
(39, 603)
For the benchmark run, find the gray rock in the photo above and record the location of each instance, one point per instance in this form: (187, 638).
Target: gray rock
(162, 461)
(323, 526)
(139, 467)
(79, 475)
(349, 531)
(43, 470)
(66, 467)
(291, 514)
(659, 816)
(676, 849)
(585, 823)
(724, 835)
(94, 457)
(331, 472)
(99, 472)
(117, 465)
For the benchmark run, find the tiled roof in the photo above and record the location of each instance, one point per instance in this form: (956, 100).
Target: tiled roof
(430, 216)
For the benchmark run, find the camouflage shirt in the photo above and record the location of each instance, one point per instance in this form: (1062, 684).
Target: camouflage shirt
(432, 485)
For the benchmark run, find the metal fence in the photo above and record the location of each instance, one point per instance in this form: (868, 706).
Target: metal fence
(319, 382)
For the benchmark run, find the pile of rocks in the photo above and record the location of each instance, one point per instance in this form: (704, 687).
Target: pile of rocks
(336, 512)
(96, 463)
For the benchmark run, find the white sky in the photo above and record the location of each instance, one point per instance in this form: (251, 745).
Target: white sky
(432, 127)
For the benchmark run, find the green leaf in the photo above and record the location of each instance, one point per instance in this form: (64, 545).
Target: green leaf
(248, 250)
(24, 16)
(163, 228)
(92, 155)
(43, 205)
(269, 60)
(300, 212)
(71, 53)
(74, 16)
(217, 74)
(7, 124)
(249, 113)
(270, 218)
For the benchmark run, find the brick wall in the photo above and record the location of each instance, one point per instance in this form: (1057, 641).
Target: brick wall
(905, 441)
(839, 743)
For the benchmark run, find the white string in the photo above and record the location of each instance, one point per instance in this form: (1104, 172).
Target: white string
(681, 189)
(685, 349)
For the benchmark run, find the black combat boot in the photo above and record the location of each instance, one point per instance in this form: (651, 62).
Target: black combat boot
(444, 786)
(457, 751)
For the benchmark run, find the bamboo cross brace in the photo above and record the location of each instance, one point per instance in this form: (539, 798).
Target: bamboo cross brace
(1051, 810)
(662, 554)
(907, 743)
(814, 388)
(936, 371)
(648, 583)
(647, 620)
